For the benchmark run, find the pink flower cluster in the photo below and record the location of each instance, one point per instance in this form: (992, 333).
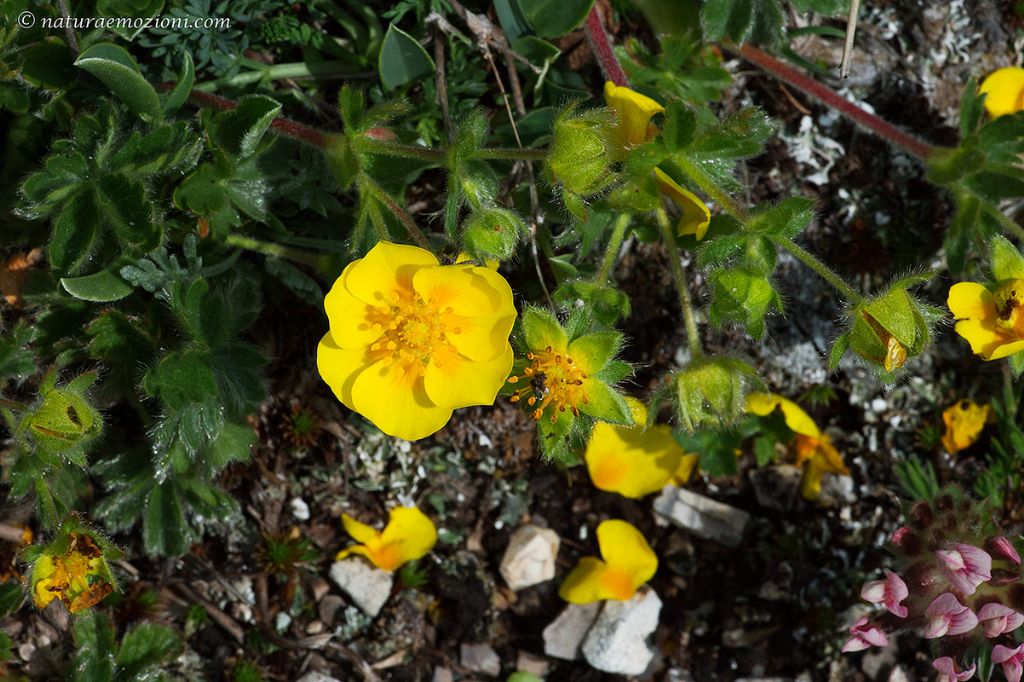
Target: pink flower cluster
(944, 598)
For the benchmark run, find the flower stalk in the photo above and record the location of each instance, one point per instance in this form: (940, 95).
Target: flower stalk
(613, 248)
(826, 273)
(679, 278)
(318, 261)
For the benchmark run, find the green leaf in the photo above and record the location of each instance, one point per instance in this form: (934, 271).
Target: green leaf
(181, 90)
(402, 59)
(511, 19)
(144, 647)
(1007, 262)
(165, 531)
(181, 377)
(787, 219)
(554, 18)
(742, 296)
(240, 130)
(94, 634)
(971, 108)
(839, 348)
(74, 233)
(542, 330)
(233, 445)
(727, 18)
(101, 287)
(48, 64)
(129, 212)
(11, 598)
(116, 68)
(16, 360)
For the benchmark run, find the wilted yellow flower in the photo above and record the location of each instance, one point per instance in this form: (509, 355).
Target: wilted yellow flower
(634, 461)
(991, 321)
(695, 216)
(814, 449)
(411, 340)
(964, 423)
(634, 112)
(1004, 91)
(78, 576)
(628, 562)
(409, 535)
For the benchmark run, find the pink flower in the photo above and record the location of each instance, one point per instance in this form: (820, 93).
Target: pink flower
(1005, 548)
(1010, 659)
(948, 673)
(889, 592)
(864, 635)
(898, 535)
(965, 566)
(947, 616)
(997, 619)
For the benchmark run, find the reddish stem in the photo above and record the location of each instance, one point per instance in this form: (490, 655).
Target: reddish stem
(826, 95)
(285, 126)
(602, 47)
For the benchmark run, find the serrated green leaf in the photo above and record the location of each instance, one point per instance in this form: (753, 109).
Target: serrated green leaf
(116, 68)
(75, 231)
(101, 287)
(165, 532)
(144, 647)
(94, 634)
(11, 598)
(727, 18)
(402, 59)
(48, 64)
(129, 212)
(839, 348)
(182, 377)
(239, 131)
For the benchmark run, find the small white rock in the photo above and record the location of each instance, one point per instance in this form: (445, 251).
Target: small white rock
(300, 510)
(282, 621)
(617, 642)
(530, 557)
(535, 665)
(314, 676)
(442, 675)
(702, 516)
(563, 637)
(480, 658)
(367, 586)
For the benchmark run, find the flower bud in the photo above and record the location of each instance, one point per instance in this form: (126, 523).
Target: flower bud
(62, 423)
(889, 329)
(73, 568)
(492, 233)
(580, 155)
(711, 392)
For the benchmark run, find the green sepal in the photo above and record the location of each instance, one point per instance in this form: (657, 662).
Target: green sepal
(542, 330)
(742, 296)
(595, 350)
(711, 392)
(606, 404)
(1007, 261)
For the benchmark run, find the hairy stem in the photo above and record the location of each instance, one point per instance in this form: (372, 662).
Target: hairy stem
(708, 185)
(407, 220)
(285, 126)
(1007, 223)
(314, 260)
(405, 151)
(826, 273)
(679, 278)
(612, 251)
(831, 98)
(329, 69)
(511, 154)
(602, 48)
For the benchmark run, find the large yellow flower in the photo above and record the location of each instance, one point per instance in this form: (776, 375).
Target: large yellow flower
(1004, 91)
(814, 449)
(991, 321)
(964, 422)
(635, 461)
(409, 535)
(633, 112)
(628, 562)
(411, 340)
(79, 576)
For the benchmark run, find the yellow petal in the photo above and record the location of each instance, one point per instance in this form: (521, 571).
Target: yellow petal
(482, 311)
(687, 465)
(391, 395)
(353, 549)
(632, 461)
(624, 548)
(829, 458)
(695, 215)
(1004, 91)
(410, 534)
(810, 484)
(985, 340)
(971, 301)
(1006, 350)
(964, 423)
(339, 367)
(634, 113)
(349, 316)
(456, 381)
(763, 404)
(386, 271)
(583, 585)
(360, 532)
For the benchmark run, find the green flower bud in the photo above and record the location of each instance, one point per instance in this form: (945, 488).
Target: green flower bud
(580, 155)
(62, 423)
(889, 329)
(492, 233)
(711, 392)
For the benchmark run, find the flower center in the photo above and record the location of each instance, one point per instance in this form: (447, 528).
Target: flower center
(1009, 299)
(411, 329)
(555, 380)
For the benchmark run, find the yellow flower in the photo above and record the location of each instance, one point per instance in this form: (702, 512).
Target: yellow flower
(628, 563)
(79, 576)
(634, 461)
(634, 112)
(991, 321)
(1004, 91)
(408, 536)
(964, 422)
(814, 449)
(411, 340)
(695, 215)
